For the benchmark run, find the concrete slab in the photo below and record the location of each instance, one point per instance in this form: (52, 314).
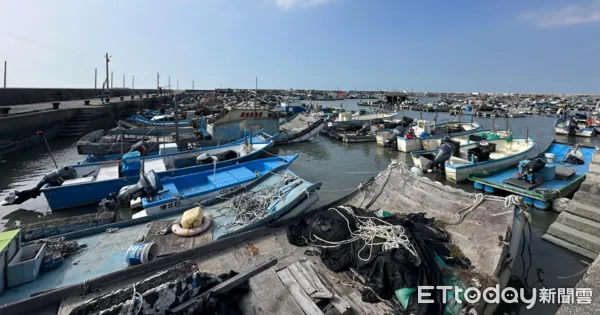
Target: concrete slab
(579, 223)
(584, 210)
(569, 246)
(591, 280)
(571, 235)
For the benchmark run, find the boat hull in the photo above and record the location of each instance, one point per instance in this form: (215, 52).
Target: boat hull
(69, 196)
(305, 135)
(414, 144)
(459, 173)
(585, 132)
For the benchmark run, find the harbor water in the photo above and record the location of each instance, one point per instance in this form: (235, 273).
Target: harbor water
(340, 167)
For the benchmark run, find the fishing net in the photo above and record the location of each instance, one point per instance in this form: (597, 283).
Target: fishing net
(249, 207)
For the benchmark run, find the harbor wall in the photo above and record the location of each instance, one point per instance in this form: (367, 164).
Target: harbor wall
(18, 131)
(18, 96)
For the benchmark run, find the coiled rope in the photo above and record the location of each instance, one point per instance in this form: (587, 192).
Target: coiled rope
(369, 228)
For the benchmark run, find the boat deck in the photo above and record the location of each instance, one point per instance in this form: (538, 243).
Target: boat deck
(394, 190)
(106, 252)
(497, 179)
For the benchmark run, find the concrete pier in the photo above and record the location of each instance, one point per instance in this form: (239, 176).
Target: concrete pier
(591, 280)
(578, 228)
(72, 118)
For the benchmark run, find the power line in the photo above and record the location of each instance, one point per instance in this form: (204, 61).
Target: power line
(40, 44)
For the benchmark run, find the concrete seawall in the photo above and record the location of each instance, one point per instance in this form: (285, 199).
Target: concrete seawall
(72, 118)
(18, 96)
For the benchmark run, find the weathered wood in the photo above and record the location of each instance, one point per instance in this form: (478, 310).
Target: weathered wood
(340, 304)
(322, 295)
(307, 266)
(304, 301)
(301, 279)
(229, 284)
(119, 296)
(331, 310)
(55, 227)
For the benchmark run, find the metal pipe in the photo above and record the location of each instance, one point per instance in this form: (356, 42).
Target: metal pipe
(5, 74)
(527, 135)
(41, 133)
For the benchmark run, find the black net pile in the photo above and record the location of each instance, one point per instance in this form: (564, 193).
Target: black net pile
(385, 271)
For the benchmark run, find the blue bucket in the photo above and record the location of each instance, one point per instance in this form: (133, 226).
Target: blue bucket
(141, 253)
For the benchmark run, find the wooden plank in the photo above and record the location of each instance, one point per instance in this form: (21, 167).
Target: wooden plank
(340, 304)
(301, 279)
(303, 300)
(229, 284)
(307, 267)
(322, 295)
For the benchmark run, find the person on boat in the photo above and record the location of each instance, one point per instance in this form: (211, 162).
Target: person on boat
(589, 122)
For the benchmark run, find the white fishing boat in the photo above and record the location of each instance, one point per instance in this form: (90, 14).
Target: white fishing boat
(425, 130)
(432, 143)
(480, 157)
(572, 128)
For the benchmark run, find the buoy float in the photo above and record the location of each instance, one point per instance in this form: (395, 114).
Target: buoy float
(180, 231)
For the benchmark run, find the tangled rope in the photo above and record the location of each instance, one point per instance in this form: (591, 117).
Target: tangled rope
(369, 228)
(62, 247)
(248, 207)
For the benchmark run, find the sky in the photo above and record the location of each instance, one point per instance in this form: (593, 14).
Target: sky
(531, 46)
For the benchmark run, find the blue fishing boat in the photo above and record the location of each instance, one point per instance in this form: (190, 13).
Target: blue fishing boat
(257, 137)
(106, 253)
(182, 192)
(563, 169)
(80, 185)
(158, 121)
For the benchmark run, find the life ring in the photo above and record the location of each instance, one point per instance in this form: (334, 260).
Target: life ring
(180, 231)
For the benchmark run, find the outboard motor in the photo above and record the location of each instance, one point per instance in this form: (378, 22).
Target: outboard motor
(206, 158)
(363, 131)
(149, 185)
(572, 127)
(529, 170)
(54, 178)
(443, 154)
(391, 141)
(141, 147)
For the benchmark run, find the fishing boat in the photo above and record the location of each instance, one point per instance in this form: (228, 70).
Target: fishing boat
(356, 120)
(557, 177)
(482, 156)
(84, 184)
(97, 261)
(274, 288)
(432, 143)
(159, 121)
(257, 137)
(425, 130)
(182, 192)
(298, 128)
(572, 128)
(104, 142)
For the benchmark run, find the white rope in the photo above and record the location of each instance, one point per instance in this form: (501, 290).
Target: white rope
(393, 236)
(141, 300)
(249, 207)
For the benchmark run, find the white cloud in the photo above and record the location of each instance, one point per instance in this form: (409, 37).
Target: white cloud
(287, 4)
(570, 15)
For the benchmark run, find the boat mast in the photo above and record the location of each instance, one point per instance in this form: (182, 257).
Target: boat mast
(176, 119)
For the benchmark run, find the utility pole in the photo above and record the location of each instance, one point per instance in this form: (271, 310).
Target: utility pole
(5, 74)
(112, 81)
(177, 84)
(133, 82)
(123, 80)
(157, 81)
(192, 85)
(95, 79)
(106, 81)
(169, 83)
